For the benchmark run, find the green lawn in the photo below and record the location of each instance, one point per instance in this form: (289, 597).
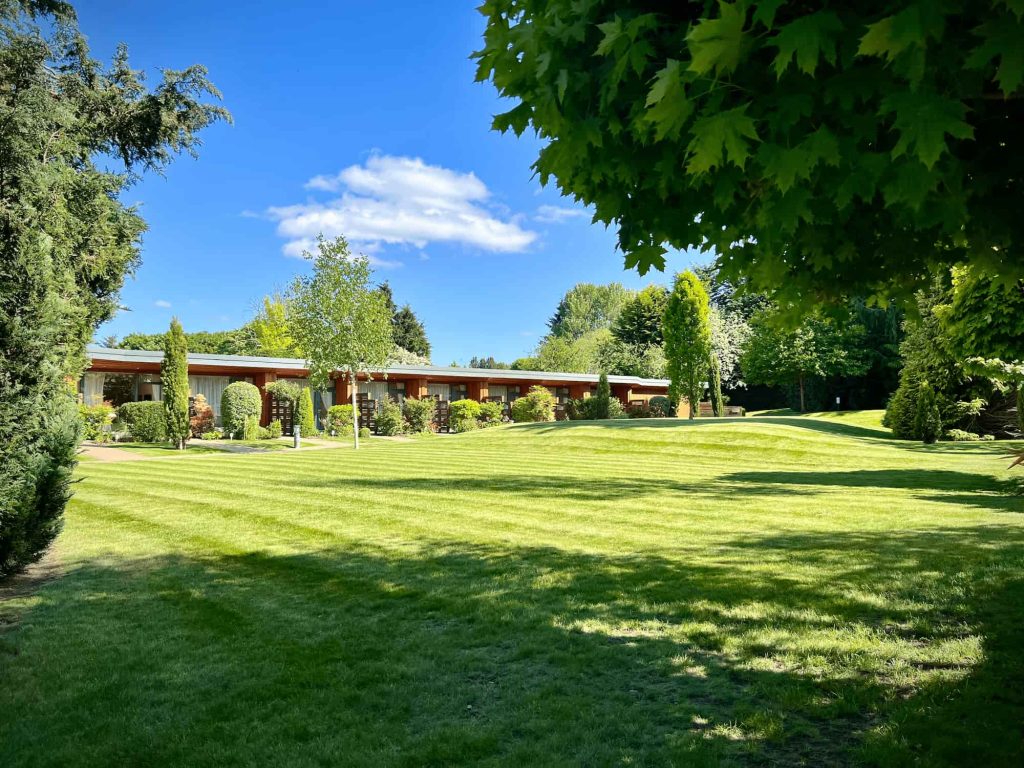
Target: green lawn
(163, 449)
(764, 591)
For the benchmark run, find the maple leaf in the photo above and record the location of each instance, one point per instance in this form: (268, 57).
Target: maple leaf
(719, 134)
(667, 106)
(808, 38)
(716, 44)
(924, 120)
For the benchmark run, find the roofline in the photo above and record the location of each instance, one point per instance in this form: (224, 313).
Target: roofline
(296, 364)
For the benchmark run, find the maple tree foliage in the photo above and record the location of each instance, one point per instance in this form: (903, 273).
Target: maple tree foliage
(819, 150)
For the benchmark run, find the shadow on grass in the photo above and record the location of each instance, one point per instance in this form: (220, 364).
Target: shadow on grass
(448, 654)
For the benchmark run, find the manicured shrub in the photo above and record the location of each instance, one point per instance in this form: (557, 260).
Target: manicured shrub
(490, 414)
(274, 429)
(146, 422)
(304, 413)
(961, 436)
(263, 433)
(364, 433)
(389, 417)
(642, 411)
(419, 414)
(927, 418)
(587, 409)
(463, 415)
(239, 401)
(661, 406)
(339, 419)
(174, 383)
(201, 419)
(213, 434)
(537, 405)
(251, 428)
(95, 419)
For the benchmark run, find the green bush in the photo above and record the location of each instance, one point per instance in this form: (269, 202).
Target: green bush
(927, 418)
(662, 406)
(537, 405)
(339, 419)
(642, 411)
(95, 419)
(463, 415)
(590, 409)
(960, 436)
(304, 413)
(263, 433)
(146, 422)
(490, 414)
(389, 417)
(251, 428)
(239, 402)
(364, 433)
(274, 429)
(213, 434)
(599, 406)
(419, 414)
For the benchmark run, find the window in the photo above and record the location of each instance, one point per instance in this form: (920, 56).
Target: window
(118, 389)
(459, 392)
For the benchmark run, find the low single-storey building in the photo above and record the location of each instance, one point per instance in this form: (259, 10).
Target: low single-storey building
(124, 375)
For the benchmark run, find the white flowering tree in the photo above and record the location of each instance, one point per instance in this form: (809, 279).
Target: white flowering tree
(339, 319)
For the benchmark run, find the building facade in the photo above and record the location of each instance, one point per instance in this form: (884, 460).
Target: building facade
(127, 375)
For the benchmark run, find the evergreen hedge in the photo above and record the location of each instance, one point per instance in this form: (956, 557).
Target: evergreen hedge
(239, 401)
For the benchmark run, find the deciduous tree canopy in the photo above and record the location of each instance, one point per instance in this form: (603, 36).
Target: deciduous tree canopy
(820, 151)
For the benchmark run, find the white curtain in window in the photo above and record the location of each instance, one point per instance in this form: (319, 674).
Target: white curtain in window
(210, 387)
(92, 388)
(497, 390)
(438, 391)
(375, 390)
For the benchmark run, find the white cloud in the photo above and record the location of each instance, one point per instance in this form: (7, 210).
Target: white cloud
(556, 214)
(400, 201)
(162, 303)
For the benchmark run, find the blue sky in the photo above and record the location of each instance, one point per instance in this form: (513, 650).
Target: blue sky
(354, 117)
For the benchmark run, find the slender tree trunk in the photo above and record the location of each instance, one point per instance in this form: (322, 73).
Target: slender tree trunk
(802, 408)
(355, 412)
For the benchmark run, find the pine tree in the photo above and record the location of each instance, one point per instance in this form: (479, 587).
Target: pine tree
(409, 332)
(174, 383)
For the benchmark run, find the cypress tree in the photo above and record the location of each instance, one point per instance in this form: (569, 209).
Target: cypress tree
(715, 385)
(174, 383)
(602, 408)
(687, 330)
(306, 419)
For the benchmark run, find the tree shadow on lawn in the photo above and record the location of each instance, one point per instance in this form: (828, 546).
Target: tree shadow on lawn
(470, 654)
(976, 489)
(815, 425)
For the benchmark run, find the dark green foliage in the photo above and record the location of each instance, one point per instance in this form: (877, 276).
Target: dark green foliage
(537, 405)
(66, 239)
(304, 414)
(463, 415)
(239, 401)
(927, 419)
(487, 362)
(590, 409)
(339, 419)
(601, 407)
(174, 384)
(983, 317)
(389, 417)
(715, 386)
(661, 406)
(819, 150)
(490, 414)
(146, 422)
(419, 414)
(409, 332)
(639, 322)
(818, 348)
(235, 342)
(687, 332)
(94, 420)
